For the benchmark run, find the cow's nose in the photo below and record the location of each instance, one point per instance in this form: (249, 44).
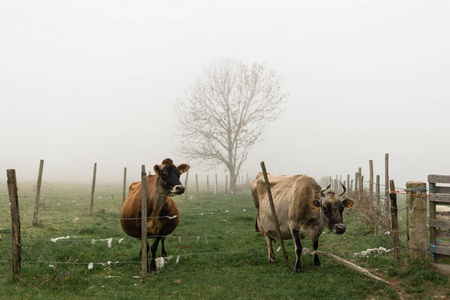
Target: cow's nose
(339, 228)
(179, 189)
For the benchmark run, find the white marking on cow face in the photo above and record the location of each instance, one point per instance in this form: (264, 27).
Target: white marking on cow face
(177, 190)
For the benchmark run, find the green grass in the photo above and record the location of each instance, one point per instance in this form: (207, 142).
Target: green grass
(220, 256)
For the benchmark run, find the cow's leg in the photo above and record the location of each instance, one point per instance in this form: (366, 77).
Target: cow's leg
(153, 262)
(271, 255)
(163, 246)
(316, 260)
(298, 249)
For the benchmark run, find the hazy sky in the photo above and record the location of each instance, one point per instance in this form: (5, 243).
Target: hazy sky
(96, 81)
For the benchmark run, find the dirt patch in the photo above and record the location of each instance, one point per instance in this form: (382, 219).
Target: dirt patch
(432, 292)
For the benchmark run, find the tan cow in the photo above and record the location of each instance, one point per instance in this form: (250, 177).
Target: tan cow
(162, 212)
(303, 210)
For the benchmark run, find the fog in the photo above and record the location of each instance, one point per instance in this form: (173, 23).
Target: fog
(96, 81)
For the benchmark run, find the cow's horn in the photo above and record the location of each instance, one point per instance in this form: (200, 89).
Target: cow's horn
(324, 189)
(343, 186)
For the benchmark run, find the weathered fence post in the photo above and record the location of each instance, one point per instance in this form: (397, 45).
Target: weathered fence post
(378, 195)
(272, 207)
(124, 184)
(186, 185)
(416, 216)
(226, 184)
(15, 220)
(196, 184)
(144, 260)
(207, 184)
(38, 193)
(217, 186)
(93, 189)
(361, 186)
(386, 193)
(372, 206)
(394, 219)
(348, 183)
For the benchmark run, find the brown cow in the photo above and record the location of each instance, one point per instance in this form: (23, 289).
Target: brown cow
(302, 208)
(162, 212)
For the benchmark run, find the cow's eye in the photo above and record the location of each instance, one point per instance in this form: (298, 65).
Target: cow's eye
(164, 174)
(325, 209)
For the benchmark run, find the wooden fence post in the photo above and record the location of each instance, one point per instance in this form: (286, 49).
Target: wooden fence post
(93, 189)
(38, 193)
(372, 206)
(196, 184)
(335, 185)
(416, 217)
(272, 207)
(15, 220)
(394, 219)
(348, 183)
(361, 186)
(144, 260)
(386, 193)
(207, 184)
(217, 186)
(124, 184)
(186, 186)
(226, 184)
(378, 195)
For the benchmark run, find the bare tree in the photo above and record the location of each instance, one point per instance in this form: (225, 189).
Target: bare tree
(226, 112)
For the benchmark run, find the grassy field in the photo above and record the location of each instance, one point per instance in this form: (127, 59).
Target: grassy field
(216, 254)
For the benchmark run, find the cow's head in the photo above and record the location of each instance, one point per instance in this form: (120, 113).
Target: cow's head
(333, 207)
(169, 177)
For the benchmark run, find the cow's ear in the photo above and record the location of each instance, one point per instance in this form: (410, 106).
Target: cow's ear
(183, 168)
(348, 203)
(157, 169)
(316, 205)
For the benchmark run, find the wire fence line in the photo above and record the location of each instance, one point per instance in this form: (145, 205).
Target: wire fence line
(108, 263)
(77, 218)
(171, 237)
(121, 238)
(28, 240)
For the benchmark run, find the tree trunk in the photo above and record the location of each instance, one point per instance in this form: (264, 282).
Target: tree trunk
(232, 181)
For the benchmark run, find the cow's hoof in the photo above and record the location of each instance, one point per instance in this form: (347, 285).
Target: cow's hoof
(154, 272)
(296, 272)
(318, 265)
